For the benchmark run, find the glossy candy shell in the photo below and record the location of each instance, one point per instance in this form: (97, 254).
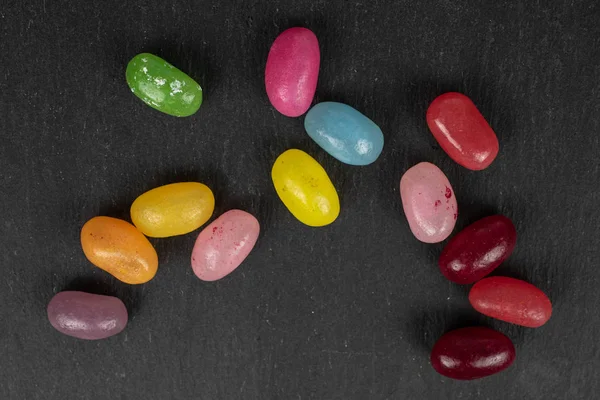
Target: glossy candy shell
(224, 244)
(292, 71)
(462, 131)
(429, 202)
(172, 210)
(478, 249)
(472, 353)
(305, 189)
(120, 249)
(344, 133)
(511, 300)
(162, 86)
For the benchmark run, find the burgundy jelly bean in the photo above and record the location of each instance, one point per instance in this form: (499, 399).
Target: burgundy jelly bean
(472, 353)
(478, 249)
(511, 300)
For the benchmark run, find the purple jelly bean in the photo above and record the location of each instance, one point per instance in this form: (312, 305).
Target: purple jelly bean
(87, 316)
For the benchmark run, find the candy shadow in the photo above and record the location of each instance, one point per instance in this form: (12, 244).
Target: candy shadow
(418, 93)
(120, 207)
(131, 295)
(424, 328)
(116, 209)
(471, 213)
(511, 270)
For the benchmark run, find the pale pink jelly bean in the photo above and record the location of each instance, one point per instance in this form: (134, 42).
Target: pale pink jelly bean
(224, 244)
(292, 71)
(429, 202)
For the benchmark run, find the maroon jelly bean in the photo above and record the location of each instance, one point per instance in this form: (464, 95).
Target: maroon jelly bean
(87, 316)
(472, 353)
(511, 300)
(478, 249)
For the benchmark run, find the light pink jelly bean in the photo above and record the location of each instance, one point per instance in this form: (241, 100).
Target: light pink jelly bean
(292, 71)
(224, 244)
(429, 202)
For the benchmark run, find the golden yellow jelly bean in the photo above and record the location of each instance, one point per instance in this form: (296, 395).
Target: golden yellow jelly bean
(120, 249)
(172, 210)
(305, 189)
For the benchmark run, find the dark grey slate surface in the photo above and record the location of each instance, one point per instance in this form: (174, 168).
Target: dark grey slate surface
(349, 311)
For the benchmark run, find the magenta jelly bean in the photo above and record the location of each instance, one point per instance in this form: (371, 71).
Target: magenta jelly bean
(292, 71)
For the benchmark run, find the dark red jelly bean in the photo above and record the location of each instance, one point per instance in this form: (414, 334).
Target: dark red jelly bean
(462, 131)
(511, 300)
(472, 353)
(478, 249)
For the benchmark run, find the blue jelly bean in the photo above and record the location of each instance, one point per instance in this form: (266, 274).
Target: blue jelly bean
(344, 133)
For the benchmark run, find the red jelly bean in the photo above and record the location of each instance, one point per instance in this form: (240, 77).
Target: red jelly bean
(478, 249)
(472, 353)
(462, 131)
(511, 300)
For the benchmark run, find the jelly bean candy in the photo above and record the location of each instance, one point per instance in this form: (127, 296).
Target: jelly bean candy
(87, 316)
(461, 131)
(344, 133)
(224, 244)
(172, 210)
(478, 249)
(429, 202)
(511, 300)
(305, 189)
(162, 86)
(292, 71)
(120, 249)
(472, 353)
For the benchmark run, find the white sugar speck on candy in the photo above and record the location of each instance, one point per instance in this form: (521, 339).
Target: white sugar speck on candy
(188, 98)
(175, 87)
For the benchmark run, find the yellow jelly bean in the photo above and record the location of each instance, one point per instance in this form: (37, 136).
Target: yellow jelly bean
(118, 248)
(172, 210)
(305, 189)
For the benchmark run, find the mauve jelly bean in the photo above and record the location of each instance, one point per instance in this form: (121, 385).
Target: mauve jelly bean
(478, 249)
(292, 71)
(87, 316)
(511, 300)
(472, 353)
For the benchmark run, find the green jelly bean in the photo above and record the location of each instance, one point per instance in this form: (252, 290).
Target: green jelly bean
(162, 86)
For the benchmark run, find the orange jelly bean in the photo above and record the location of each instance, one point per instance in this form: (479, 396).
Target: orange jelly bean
(120, 249)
